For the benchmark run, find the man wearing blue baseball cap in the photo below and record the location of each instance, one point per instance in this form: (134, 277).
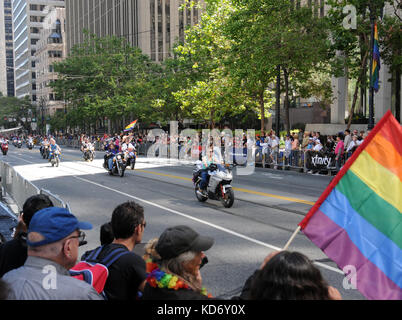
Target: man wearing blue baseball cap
(53, 238)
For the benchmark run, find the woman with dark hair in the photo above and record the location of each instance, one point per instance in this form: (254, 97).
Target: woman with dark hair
(289, 275)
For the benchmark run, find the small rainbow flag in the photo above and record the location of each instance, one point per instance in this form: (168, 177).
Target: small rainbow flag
(376, 61)
(131, 125)
(357, 221)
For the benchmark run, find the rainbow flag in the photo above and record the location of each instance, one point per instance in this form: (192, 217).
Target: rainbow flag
(131, 125)
(357, 221)
(376, 61)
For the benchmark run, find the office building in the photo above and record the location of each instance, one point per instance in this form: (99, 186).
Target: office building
(28, 16)
(152, 25)
(50, 48)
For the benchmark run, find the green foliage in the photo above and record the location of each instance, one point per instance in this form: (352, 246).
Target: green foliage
(106, 77)
(12, 107)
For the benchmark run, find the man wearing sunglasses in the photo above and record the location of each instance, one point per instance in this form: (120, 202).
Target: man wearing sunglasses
(54, 235)
(127, 272)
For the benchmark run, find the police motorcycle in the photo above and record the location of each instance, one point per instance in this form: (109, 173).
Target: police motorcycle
(119, 164)
(219, 184)
(19, 143)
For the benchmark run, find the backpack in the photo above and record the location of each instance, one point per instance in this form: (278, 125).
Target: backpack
(95, 271)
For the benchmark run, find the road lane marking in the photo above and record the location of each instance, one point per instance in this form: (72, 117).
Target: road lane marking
(259, 193)
(239, 235)
(236, 189)
(234, 233)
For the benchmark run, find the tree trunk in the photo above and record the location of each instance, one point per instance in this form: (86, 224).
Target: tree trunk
(287, 117)
(362, 69)
(212, 119)
(262, 110)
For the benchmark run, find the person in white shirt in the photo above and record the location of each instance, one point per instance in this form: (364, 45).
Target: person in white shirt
(126, 144)
(274, 147)
(288, 147)
(318, 145)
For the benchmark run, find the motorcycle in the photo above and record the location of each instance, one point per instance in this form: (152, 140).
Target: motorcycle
(30, 145)
(55, 158)
(89, 154)
(19, 144)
(219, 187)
(44, 151)
(119, 165)
(130, 158)
(4, 148)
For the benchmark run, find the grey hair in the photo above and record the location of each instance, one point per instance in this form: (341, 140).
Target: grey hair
(176, 266)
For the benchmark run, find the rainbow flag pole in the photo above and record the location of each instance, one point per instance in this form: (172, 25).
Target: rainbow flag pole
(357, 221)
(374, 70)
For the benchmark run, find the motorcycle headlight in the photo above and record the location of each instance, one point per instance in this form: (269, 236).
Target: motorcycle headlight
(118, 157)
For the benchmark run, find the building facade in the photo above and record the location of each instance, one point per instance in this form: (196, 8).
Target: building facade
(6, 49)
(152, 25)
(50, 48)
(3, 79)
(28, 16)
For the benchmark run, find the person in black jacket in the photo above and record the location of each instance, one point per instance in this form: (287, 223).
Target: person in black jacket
(174, 271)
(13, 253)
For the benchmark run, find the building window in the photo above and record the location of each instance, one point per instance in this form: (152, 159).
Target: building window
(55, 54)
(167, 15)
(153, 30)
(181, 23)
(160, 31)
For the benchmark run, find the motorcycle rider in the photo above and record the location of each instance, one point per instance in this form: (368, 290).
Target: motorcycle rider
(212, 156)
(111, 152)
(30, 140)
(54, 148)
(44, 144)
(86, 145)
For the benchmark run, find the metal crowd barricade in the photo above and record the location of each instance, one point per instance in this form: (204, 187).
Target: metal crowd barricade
(16, 186)
(57, 201)
(21, 189)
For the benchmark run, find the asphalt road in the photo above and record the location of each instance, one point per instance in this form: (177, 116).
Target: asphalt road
(269, 204)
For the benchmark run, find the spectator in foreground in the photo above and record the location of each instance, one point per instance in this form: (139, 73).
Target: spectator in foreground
(106, 234)
(176, 275)
(53, 239)
(13, 253)
(127, 274)
(288, 275)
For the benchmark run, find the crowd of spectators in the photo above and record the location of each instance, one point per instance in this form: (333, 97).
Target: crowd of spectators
(40, 268)
(287, 149)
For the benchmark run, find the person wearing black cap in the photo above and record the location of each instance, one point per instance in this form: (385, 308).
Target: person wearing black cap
(54, 235)
(176, 275)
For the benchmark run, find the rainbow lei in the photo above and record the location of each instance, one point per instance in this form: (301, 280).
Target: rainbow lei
(160, 279)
